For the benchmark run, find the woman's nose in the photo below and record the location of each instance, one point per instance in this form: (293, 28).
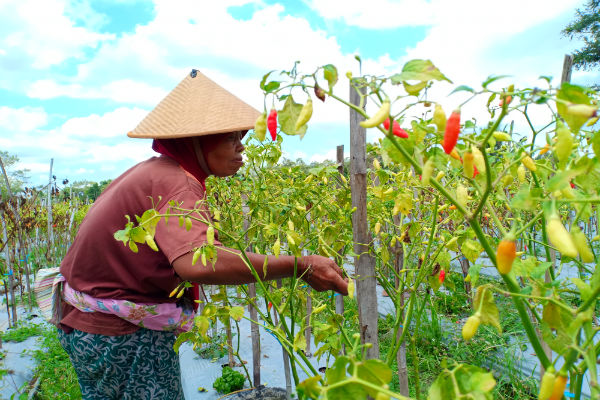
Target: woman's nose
(239, 146)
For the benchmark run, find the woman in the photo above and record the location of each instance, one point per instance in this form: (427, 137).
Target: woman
(118, 322)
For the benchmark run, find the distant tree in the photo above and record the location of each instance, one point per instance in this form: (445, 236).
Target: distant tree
(17, 178)
(93, 191)
(586, 26)
(104, 184)
(88, 189)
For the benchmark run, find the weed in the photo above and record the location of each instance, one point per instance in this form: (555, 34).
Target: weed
(21, 331)
(57, 376)
(229, 381)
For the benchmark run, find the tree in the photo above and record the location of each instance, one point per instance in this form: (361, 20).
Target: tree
(586, 26)
(17, 178)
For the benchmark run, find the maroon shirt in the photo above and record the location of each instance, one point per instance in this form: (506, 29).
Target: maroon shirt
(99, 265)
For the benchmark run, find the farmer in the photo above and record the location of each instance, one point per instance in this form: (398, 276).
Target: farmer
(117, 321)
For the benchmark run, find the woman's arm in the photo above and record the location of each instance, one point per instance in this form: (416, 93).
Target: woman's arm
(319, 272)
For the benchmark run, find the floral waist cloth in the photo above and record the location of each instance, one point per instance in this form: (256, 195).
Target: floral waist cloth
(178, 317)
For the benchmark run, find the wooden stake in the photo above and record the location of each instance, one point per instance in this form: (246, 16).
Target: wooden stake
(49, 208)
(567, 68)
(10, 269)
(339, 300)
(254, 332)
(398, 252)
(10, 285)
(366, 282)
(286, 358)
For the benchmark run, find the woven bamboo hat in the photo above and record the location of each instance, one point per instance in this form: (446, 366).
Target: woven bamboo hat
(196, 107)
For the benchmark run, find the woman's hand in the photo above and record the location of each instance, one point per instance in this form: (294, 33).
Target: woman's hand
(322, 274)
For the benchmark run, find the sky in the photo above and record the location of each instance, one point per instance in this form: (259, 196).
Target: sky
(77, 75)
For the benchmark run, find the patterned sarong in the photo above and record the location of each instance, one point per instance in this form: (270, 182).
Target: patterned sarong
(138, 366)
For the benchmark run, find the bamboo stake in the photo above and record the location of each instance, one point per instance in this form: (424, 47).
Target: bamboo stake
(254, 332)
(9, 272)
(567, 68)
(339, 300)
(49, 208)
(366, 282)
(286, 358)
(398, 251)
(307, 331)
(17, 229)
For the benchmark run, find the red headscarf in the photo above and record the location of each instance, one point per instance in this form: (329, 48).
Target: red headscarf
(182, 150)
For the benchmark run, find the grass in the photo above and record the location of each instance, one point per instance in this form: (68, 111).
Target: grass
(21, 331)
(55, 372)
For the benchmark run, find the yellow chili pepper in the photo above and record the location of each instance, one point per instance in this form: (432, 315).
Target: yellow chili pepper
(560, 237)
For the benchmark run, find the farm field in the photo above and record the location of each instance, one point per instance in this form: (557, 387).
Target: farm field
(471, 246)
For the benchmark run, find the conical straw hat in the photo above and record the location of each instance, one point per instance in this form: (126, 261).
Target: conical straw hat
(196, 107)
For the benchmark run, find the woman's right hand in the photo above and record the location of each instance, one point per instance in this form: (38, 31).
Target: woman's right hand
(322, 274)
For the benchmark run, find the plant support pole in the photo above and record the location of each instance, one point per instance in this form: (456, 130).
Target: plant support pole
(49, 208)
(254, 332)
(364, 265)
(9, 268)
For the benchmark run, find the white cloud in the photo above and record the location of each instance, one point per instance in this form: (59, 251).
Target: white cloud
(183, 36)
(467, 39)
(330, 155)
(34, 167)
(112, 124)
(41, 35)
(18, 120)
(376, 14)
(134, 150)
(121, 91)
(295, 155)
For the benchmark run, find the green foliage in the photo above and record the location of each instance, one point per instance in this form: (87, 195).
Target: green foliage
(17, 178)
(21, 332)
(459, 380)
(586, 26)
(229, 381)
(55, 372)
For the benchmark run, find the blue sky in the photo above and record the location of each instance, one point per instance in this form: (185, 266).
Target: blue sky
(77, 75)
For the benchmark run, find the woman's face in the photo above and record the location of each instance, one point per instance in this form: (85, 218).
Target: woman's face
(223, 153)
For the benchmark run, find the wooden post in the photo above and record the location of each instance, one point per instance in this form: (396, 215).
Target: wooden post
(547, 349)
(567, 68)
(23, 250)
(339, 300)
(49, 208)
(215, 326)
(307, 330)
(231, 360)
(254, 333)
(9, 265)
(464, 266)
(286, 358)
(10, 285)
(398, 252)
(366, 282)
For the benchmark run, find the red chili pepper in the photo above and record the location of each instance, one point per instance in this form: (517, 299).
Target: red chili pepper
(475, 171)
(272, 123)
(442, 276)
(572, 185)
(269, 306)
(452, 131)
(396, 130)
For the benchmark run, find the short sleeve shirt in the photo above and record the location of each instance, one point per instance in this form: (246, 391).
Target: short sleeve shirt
(103, 267)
